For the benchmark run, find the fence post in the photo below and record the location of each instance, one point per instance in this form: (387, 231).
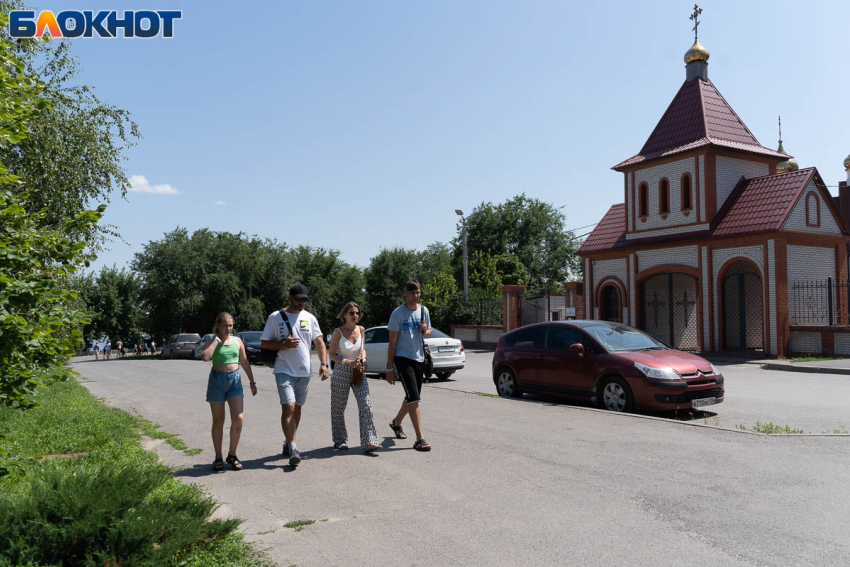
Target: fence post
(829, 299)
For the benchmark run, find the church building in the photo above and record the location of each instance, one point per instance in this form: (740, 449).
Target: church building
(714, 231)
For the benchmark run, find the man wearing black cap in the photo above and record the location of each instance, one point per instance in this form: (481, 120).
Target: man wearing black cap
(290, 331)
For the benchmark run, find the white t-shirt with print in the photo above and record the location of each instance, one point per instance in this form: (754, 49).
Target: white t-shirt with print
(296, 362)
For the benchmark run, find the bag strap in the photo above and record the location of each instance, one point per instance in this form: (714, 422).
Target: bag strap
(286, 320)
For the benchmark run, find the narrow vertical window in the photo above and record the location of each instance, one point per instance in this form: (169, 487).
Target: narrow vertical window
(686, 192)
(643, 193)
(664, 197)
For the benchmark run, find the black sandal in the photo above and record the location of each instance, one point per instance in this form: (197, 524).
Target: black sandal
(234, 462)
(218, 465)
(340, 446)
(399, 432)
(422, 445)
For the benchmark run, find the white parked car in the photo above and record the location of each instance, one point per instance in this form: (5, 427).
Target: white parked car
(446, 352)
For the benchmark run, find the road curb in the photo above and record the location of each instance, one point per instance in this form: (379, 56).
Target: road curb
(806, 369)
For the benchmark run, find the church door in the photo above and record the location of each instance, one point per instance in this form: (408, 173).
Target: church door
(742, 308)
(611, 304)
(669, 310)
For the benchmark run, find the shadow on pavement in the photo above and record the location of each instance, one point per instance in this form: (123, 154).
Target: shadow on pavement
(675, 415)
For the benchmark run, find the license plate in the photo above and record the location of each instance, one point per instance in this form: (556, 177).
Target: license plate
(446, 349)
(702, 402)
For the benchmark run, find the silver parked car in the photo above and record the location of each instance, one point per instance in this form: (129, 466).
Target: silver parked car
(181, 345)
(446, 352)
(199, 348)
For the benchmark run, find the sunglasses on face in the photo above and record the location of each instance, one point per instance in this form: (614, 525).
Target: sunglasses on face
(355, 313)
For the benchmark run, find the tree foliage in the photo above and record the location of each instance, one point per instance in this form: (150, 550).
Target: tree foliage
(71, 159)
(526, 237)
(36, 260)
(186, 280)
(112, 295)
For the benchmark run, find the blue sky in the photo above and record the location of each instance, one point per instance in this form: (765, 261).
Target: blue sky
(357, 125)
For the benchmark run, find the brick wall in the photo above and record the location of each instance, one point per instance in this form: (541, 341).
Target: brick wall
(706, 323)
(630, 191)
(683, 256)
(673, 171)
(702, 216)
(808, 263)
(604, 268)
(797, 219)
(663, 231)
(632, 314)
(729, 172)
(805, 342)
(771, 294)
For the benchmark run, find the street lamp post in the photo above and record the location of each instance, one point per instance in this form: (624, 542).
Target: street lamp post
(465, 264)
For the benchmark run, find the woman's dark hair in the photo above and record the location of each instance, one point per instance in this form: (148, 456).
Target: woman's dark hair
(412, 285)
(347, 308)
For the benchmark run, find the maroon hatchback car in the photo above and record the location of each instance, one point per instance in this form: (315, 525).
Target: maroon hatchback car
(614, 365)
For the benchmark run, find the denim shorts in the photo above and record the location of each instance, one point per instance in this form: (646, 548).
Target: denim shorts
(224, 385)
(292, 389)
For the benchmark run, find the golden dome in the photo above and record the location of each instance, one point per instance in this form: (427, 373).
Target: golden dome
(696, 53)
(788, 165)
(847, 163)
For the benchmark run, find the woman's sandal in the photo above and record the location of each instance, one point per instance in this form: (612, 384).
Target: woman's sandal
(372, 447)
(340, 446)
(399, 432)
(422, 445)
(218, 465)
(234, 462)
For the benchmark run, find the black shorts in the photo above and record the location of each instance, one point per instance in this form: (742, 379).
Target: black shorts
(409, 372)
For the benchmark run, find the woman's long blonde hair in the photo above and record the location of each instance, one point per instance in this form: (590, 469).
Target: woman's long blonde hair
(347, 308)
(222, 317)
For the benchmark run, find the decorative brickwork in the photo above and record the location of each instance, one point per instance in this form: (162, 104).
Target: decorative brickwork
(771, 294)
(652, 176)
(722, 255)
(684, 256)
(666, 231)
(701, 183)
(797, 219)
(729, 172)
(805, 343)
(605, 268)
(706, 328)
(632, 273)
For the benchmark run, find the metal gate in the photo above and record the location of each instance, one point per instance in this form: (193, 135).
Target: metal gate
(669, 309)
(610, 308)
(743, 321)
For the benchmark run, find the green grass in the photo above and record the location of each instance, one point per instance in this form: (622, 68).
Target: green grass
(298, 525)
(99, 498)
(152, 430)
(771, 429)
(815, 358)
(487, 395)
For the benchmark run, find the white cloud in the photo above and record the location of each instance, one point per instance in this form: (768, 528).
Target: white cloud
(220, 203)
(140, 184)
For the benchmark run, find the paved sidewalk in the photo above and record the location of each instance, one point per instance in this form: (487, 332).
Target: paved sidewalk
(829, 366)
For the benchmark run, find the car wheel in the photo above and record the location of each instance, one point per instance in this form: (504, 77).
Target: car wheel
(171, 354)
(444, 375)
(616, 395)
(506, 384)
(192, 355)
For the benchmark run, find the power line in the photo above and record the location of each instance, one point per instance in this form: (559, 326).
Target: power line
(581, 227)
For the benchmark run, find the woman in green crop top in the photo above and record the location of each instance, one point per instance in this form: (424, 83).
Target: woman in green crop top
(225, 385)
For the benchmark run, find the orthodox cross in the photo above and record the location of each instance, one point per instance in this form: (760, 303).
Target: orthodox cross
(693, 18)
(686, 305)
(655, 304)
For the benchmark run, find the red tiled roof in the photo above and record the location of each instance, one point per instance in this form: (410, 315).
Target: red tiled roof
(761, 203)
(609, 233)
(755, 205)
(698, 116)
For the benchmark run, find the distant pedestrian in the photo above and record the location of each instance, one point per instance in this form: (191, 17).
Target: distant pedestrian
(409, 325)
(348, 352)
(108, 349)
(121, 349)
(225, 385)
(153, 347)
(290, 331)
(96, 350)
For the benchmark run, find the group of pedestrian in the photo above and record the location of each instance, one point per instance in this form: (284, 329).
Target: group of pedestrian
(291, 331)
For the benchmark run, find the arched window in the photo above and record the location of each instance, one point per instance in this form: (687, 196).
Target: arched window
(664, 197)
(643, 197)
(812, 210)
(686, 192)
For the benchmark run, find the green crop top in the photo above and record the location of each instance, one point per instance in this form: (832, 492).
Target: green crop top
(226, 354)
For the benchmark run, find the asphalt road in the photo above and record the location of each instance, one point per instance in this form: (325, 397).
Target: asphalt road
(512, 482)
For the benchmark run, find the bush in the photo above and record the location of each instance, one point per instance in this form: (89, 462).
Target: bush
(135, 515)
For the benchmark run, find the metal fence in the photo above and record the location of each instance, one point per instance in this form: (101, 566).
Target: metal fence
(477, 312)
(817, 302)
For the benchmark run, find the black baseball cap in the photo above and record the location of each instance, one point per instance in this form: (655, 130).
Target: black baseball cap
(299, 292)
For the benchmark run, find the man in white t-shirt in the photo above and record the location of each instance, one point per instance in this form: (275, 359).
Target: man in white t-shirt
(290, 331)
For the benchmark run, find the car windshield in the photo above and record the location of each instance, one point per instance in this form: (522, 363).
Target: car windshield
(438, 334)
(251, 336)
(622, 338)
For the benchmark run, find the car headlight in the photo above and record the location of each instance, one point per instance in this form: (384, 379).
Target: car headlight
(252, 349)
(716, 370)
(657, 373)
